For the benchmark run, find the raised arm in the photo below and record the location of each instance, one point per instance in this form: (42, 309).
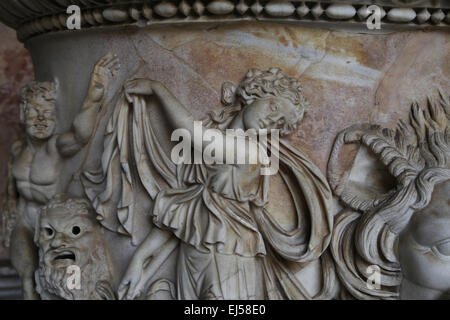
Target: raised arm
(180, 118)
(82, 128)
(177, 115)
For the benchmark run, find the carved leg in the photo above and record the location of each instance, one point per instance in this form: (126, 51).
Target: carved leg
(24, 259)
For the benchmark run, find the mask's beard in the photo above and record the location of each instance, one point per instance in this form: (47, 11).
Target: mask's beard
(52, 281)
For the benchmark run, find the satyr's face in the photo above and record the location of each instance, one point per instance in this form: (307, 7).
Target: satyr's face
(66, 239)
(270, 113)
(424, 249)
(40, 118)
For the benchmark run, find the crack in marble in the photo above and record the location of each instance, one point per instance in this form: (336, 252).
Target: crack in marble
(319, 60)
(386, 72)
(186, 64)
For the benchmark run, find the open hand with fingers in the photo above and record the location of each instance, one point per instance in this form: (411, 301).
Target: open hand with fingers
(104, 70)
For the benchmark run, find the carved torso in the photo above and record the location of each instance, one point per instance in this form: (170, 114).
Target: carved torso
(35, 171)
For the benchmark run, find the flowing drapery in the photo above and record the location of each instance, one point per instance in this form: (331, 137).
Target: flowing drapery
(133, 155)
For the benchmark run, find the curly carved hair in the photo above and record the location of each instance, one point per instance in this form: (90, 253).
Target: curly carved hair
(417, 155)
(261, 84)
(46, 90)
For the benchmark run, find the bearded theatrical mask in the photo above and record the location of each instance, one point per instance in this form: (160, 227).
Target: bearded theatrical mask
(71, 245)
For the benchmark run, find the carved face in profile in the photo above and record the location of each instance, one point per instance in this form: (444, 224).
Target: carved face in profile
(424, 249)
(272, 113)
(40, 118)
(70, 236)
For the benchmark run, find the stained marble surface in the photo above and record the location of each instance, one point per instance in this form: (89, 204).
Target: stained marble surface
(347, 77)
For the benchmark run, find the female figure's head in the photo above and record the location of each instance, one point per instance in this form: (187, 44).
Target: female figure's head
(271, 100)
(266, 99)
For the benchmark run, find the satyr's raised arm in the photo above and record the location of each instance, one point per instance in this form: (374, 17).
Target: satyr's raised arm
(72, 141)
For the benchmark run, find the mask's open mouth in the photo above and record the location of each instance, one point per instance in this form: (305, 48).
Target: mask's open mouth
(65, 255)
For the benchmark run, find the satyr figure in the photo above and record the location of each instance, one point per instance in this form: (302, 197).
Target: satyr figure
(74, 260)
(37, 159)
(396, 245)
(230, 243)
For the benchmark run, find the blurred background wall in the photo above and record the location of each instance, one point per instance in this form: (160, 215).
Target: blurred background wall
(15, 71)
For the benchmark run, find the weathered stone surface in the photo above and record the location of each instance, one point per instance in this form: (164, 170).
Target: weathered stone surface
(346, 77)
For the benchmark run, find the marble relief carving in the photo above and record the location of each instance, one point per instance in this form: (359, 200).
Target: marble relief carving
(98, 207)
(395, 14)
(217, 222)
(67, 234)
(36, 161)
(403, 231)
(229, 243)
